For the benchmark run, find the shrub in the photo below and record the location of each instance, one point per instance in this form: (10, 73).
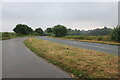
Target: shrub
(115, 34)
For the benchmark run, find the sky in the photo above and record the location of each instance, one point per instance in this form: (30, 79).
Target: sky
(75, 15)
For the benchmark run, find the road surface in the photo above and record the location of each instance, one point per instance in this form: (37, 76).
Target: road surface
(19, 62)
(112, 49)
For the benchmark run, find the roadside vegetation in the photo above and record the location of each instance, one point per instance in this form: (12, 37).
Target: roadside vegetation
(100, 35)
(7, 35)
(93, 39)
(11, 35)
(21, 30)
(79, 62)
(104, 35)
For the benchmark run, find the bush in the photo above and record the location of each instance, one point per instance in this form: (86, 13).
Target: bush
(115, 34)
(49, 30)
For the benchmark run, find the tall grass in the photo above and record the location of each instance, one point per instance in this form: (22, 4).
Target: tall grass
(98, 38)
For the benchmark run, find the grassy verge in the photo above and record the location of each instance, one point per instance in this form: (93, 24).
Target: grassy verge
(93, 39)
(81, 63)
(6, 38)
(11, 35)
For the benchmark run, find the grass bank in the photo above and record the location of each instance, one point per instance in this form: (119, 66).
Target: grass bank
(93, 39)
(81, 63)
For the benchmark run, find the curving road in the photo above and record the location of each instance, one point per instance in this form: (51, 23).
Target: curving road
(112, 49)
(19, 62)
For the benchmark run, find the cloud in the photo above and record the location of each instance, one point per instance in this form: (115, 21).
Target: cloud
(44, 14)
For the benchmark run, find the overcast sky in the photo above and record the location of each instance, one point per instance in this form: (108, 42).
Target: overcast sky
(75, 15)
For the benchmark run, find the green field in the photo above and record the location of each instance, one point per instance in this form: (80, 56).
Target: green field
(79, 62)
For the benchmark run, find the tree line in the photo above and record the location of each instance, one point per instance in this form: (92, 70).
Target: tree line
(57, 31)
(60, 30)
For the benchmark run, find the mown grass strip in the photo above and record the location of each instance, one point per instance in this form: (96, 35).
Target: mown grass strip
(80, 62)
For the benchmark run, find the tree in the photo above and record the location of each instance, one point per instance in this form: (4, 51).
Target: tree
(23, 29)
(39, 31)
(49, 30)
(59, 30)
(115, 34)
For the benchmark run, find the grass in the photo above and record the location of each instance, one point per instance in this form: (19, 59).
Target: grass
(93, 39)
(11, 35)
(79, 62)
(7, 35)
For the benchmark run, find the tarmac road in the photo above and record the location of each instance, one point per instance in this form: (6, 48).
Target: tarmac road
(112, 49)
(19, 62)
